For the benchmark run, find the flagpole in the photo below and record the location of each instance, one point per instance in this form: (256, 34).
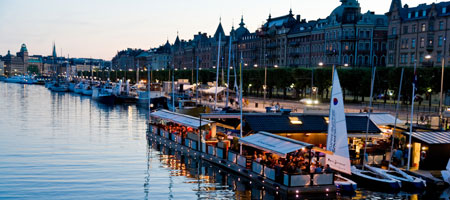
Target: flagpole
(412, 116)
(374, 68)
(396, 116)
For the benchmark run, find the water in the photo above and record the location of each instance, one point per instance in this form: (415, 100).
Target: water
(65, 146)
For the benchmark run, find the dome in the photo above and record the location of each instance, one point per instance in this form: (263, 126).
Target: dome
(23, 48)
(241, 31)
(339, 11)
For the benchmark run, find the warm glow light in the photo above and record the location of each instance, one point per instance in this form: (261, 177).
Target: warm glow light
(428, 57)
(321, 64)
(295, 120)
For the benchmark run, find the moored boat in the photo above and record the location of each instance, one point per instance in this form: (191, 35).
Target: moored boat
(370, 179)
(408, 182)
(103, 94)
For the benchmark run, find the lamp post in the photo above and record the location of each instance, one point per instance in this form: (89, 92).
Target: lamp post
(442, 88)
(265, 80)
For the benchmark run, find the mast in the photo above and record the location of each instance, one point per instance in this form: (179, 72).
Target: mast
(149, 85)
(173, 89)
(368, 116)
(228, 71)
(396, 117)
(196, 85)
(137, 72)
(217, 73)
(240, 100)
(412, 116)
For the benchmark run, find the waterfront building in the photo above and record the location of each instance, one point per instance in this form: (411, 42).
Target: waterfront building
(2, 68)
(126, 59)
(160, 57)
(249, 44)
(415, 32)
(16, 64)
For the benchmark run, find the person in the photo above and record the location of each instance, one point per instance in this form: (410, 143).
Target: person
(312, 168)
(318, 169)
(327, 169)
(258, 159)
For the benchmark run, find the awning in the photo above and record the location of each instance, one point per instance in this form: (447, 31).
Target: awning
(185, 120)
(431, 137)
(188, 87)
(273, 143)
(379, 118)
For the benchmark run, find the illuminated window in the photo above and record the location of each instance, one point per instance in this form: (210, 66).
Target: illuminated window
(295, 120)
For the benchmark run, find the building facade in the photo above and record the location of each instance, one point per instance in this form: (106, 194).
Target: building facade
(415, 32)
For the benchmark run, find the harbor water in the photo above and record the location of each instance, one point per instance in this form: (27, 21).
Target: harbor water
(67, 146)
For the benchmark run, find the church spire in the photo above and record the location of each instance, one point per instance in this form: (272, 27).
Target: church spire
(54, 50)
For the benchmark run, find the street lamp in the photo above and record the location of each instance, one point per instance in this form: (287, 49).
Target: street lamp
(255, 65)
(428, 57)
(320, 64)
(345, 65)
(276, 66)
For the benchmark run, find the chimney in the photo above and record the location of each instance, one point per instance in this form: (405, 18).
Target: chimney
(298, 18)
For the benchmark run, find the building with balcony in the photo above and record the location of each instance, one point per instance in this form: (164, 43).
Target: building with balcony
(415, 32)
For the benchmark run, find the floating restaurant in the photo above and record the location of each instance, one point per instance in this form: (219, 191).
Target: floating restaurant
(276, 162)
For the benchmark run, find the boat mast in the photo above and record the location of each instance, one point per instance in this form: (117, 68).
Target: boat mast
(228, 70)
(196, 85)
(240, 100)
(396, 116)
(368, 116)
(217, 73)
(412, 116)
(173, 89)
(137, 72)
(149, 85)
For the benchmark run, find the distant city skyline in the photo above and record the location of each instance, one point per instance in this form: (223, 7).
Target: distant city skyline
(100, 28)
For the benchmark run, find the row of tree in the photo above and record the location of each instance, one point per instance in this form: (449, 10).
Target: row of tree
(355, 81)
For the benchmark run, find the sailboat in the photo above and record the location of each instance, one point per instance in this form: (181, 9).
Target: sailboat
(408, 182)
(337, 141)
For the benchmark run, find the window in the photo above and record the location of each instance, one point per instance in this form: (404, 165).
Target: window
(438, 57)
(421, 57)
(391, 59)
(441, 25)
(413, 57)
(444, 10)
(422, 42)
(423, 28)
(405, 29)
(417, 14)
(424, 13)
(394, 31)
(413, 43)
(440, 41)
(409, 15)
(413, 29)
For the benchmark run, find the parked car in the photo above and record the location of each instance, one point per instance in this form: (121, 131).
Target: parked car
(308, 101)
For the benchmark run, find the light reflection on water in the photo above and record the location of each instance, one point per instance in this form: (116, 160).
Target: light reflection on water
(65, 146)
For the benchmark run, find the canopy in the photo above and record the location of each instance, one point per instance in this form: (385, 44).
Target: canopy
(431, 137)
(188, 87)
(273, 143)
(380, 118)
(212, 90)
(178, 118)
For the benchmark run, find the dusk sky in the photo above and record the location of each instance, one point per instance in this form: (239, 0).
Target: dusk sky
(100, 28)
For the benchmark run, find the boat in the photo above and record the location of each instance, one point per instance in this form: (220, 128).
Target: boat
(408, 182)
(72, 85)
(2, 78)
(370, 179)
(337, 139)
(27, 80)
(103, 93)
(14, 79)
(79, 87)
(344, 185)
(122, 92)
(87, 89)
(59, 87)
(446, 173)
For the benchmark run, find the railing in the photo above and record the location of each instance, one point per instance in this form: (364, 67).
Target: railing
(269, 173)
(322, 179)
(232, 157)
(257, 168)
(242, 161)
(220, 152)
(296, 180)
(211, 150)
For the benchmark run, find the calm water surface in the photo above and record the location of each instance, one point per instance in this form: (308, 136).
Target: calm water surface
(65, 146)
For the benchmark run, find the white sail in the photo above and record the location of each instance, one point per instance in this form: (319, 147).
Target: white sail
(337, 141)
